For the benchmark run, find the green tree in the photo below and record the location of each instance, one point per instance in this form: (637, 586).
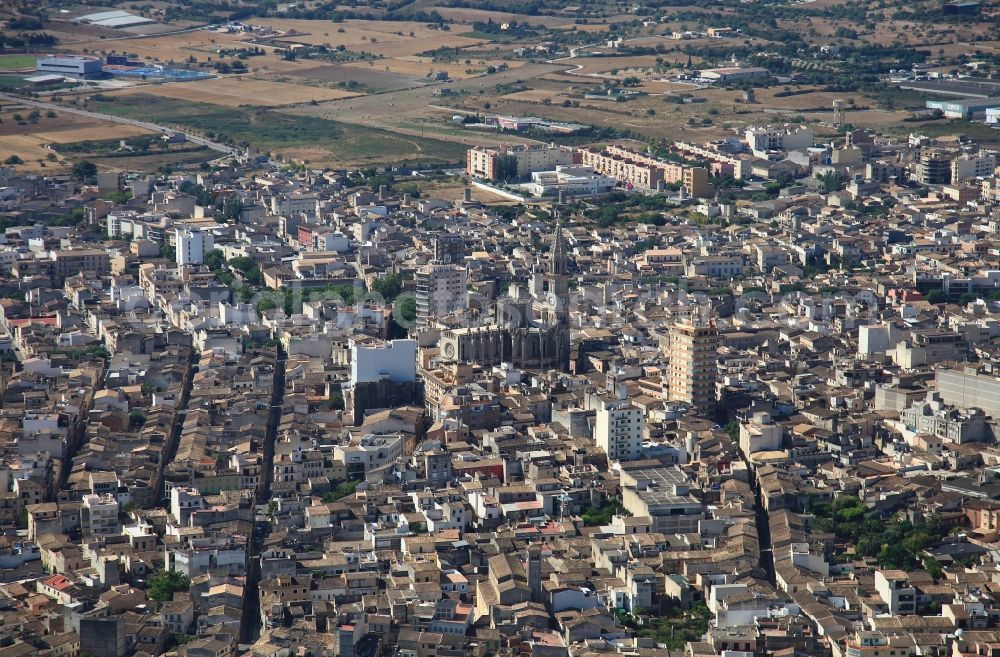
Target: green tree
(164, 583)
(933, 568)
(248, 268)
(84, 170)
(388, 286)
(408, 309)
(505, 168)
(232, 208)
(343, 489)
(832, 181)
(936, 296)
(596, 517)
(136, 418)
(607, 216)
(215, 260)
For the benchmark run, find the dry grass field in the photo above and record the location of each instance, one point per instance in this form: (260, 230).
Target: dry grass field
(74, 127)
(569, 22)
(418, 68)
(455, 192)
(888, 31)
(94, 133)
(236, 91)
(372, 77)
(468, 15)
(407, 47)
(167, 48)
(28, 141)
(386, 39)
(31, 149)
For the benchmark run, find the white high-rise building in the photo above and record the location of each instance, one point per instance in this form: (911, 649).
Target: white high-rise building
(192, 245)
(441, 290)
(618, 429)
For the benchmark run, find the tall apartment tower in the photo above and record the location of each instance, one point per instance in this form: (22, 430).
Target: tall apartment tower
(440, 290)
(693, 371)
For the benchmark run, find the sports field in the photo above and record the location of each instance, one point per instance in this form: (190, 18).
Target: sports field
(18, 62)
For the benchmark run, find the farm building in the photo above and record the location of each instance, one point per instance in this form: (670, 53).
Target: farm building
(734, 74)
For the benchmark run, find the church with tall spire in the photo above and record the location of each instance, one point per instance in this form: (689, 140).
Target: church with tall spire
(558, 261)
(531, 327)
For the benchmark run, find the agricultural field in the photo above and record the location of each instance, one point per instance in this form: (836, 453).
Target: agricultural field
(365, 77)
(386, 39)
(567, 21)
(421, 67)
(237, 91)
(317, 140)
(30, 136)
(59, 126)
(469, 15)
(359, 146)
(168, 48)
(32, 150)
(418, 111)
(157, 161)
(107, 131)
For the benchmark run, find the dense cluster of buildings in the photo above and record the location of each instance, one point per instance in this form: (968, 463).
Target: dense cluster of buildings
(765, 152)
(350, 422)
(584, 171)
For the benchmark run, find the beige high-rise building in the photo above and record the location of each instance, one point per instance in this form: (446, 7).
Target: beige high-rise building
(693, 370)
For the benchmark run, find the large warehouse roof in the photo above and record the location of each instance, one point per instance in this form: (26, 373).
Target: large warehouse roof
(113, 19)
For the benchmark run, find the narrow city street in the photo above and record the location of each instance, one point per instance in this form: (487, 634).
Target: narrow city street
(250, 620)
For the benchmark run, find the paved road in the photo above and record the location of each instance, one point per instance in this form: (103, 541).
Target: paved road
(155, 127)
(762, 520)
